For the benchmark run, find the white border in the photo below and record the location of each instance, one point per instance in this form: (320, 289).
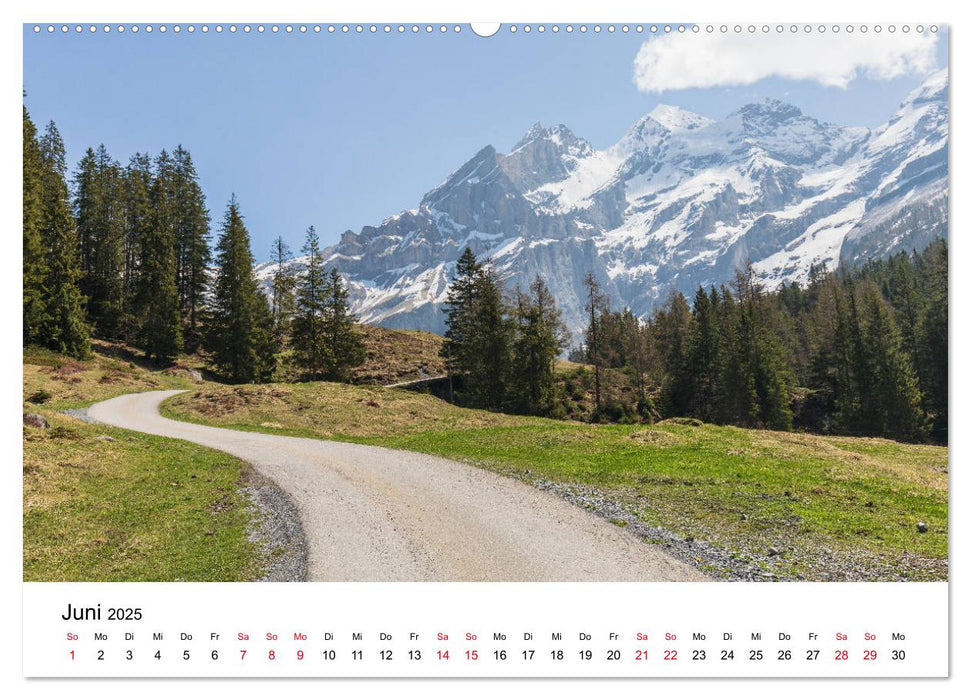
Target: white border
(925, 11)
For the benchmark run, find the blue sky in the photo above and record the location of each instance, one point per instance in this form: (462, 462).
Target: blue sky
(340, 131)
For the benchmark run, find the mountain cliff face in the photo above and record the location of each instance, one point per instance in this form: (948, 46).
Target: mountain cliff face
(680, 200)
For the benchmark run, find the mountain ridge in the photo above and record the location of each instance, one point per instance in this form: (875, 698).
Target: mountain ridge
(679, 200)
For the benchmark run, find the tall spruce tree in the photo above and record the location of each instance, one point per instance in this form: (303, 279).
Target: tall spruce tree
(99, 210)
(702, 363)
(343, 344)
(672, 326)
(759, 348)
(457, 349)
(63, 327)
(160, 325)
(640, 352)
(284, 284)
(596, 349)
(892, 401)
(191, 224)
(239, 335)
(308, 329)
(736, 399)
(540, 335)
(137, 213)
(932, 338)
(34, 257)
(487, 374)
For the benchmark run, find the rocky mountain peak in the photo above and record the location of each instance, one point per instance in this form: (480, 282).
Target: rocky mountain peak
(680, 201)
(676, 119)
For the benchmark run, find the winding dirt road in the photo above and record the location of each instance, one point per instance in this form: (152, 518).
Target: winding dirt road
(374, 514)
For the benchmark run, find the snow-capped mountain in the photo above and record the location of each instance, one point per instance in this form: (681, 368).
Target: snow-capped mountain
(679, 201)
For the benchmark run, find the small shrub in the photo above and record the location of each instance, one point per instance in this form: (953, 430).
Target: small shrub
(40, 396)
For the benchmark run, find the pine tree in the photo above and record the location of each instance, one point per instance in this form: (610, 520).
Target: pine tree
(239, 336)
(308, 331)
(160, 327)
(191, 224)
(34, 258)
(63, 328)
(344, 347)
(539, 338)
(99, 210)
(459, 301)
(283, 298)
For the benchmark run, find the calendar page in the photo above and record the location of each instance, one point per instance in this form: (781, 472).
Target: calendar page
(515, 350)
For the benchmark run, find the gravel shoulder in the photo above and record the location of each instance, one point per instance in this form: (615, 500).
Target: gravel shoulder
(375, 514)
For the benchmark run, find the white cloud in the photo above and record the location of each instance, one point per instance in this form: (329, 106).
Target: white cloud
(679, 61)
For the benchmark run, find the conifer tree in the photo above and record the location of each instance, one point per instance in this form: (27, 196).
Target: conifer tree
(239, 335)
(63, 328)
(736, 399)
(892, 401)
(672, 324)
(283, 290)
(160, 325)
(308, 330)
(760, 349)
(702, 362)
(486, 377)
(539, 338)
(34, 258)
(99, 210)
(596, 307)
(344, 347)
(191, 224)
(457, 349)
(137, 214)
(640, 351)
(900, 290)
(932, 338)
(851, 375)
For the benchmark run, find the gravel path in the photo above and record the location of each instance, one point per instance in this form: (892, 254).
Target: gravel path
(374, 514)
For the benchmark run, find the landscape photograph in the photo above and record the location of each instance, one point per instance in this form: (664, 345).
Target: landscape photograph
(576, 302)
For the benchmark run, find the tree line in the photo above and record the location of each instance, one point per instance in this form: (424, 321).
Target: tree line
(122, 252)
(857, 352)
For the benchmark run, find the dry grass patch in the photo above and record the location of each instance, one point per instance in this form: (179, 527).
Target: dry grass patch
(329, 410)
(398, 356)
(57, 382)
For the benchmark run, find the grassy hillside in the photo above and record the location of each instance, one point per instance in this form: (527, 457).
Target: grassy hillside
(576, 396)
(793, 505)
(104, 504)
(398, 356)
(57, 382)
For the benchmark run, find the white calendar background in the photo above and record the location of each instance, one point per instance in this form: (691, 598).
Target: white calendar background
(920, 610)
(488, 630)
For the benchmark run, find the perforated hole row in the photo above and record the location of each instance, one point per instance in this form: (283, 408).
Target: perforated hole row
(455, 28)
